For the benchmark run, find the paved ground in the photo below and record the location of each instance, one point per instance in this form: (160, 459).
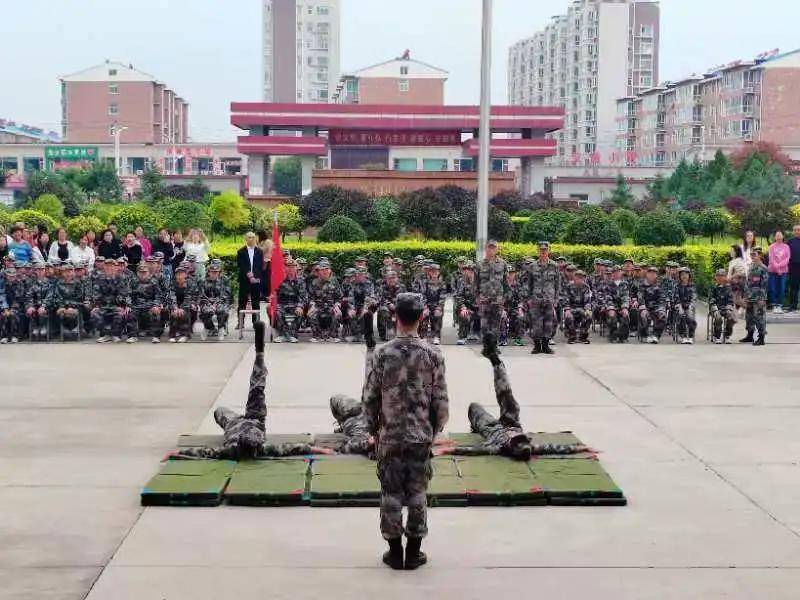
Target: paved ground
(702, 439)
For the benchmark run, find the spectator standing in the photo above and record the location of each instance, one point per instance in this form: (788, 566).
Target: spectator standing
(19, 247)
(250, 263)
(794, 267)
(132, 250)
(109, 246)
(779, 257)
(61, 249)
(265, 243)
(163, 244)
(180, 251)
(147, 247)
(197, 245)
(91, 238)
(83, 253)
(43, 243)
(3, 246)
(747, 245)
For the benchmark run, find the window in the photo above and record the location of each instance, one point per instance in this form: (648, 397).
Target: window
(113, 88)
(323, 94)
(112, 72)
(434, 164)
(9, 164)
(111, 130)
(30, 164)
(113, 109)
(463, 164)
(499, 165)
(405, 164)
(403, 70)
(322, 10)
(646, 31)
(402, 85)
(352, 85)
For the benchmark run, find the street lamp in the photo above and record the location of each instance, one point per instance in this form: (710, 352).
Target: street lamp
(484, 132)
(116, 131)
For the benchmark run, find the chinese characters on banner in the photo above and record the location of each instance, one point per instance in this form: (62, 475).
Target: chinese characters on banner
(190, 152)
(349, 137)
(628, 158)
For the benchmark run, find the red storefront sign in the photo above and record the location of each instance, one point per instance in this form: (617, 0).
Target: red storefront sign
(349, 137)
(190, 151)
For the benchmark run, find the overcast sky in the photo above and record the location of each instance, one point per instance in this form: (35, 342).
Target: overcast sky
(209, 50)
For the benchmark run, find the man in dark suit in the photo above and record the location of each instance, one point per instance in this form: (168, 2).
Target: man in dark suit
(250, 263)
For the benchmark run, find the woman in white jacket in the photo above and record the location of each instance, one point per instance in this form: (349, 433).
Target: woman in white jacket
(197, 245)
(83, 253)
(61, 249)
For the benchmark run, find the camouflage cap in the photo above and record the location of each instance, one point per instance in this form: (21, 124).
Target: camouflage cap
(109, 261)
(151, 259)
(215, 265)
(142, 268)
(390, 274)
(580, 273)
(301, 261)
(511, 269)
(672, 264)
(409, 301)
(598, 261)
(469, 265)
(185, 264)
(290, 263)
(571, 268)
(70, 267)
(286, 253)
(349, 272)
(628, 260)
(616, 268)
(419, 257)
(387, 254)
(324, 264)
(181, 268)
(685, 270)
(433, 267)
(158, 255)
(721, 273)
(10, 271)
(652, 269)
(756, 250)
(561, 259)
(362, 270)
(461, 259)
(191, 258)
(322, 259)
(544, 245)
(98, 258)
(360, 259)
(54, 262)
(123, 259)
(398, 261)
(491, 244)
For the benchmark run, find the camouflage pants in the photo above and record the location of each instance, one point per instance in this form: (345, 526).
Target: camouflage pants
(207, 313)
(618, 324)
(385, 318)
(39, 320)
(69, 320)
(142, 320)
(687, 322)
(404, 472)
(756, 318)
(324, 324)
(718, 319)
(577, 321)
(287, 321)
(182, 326)
(491, 313)
(432, 324)
(10, 323)
(542, 315)
(659, 318)
(467, 324)
(108, 319)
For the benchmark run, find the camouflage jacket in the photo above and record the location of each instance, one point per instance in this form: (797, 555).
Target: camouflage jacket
(111, 291)
(684, 295)
(579, 297)
(292, 293)
(434, 293)
(757, 283)
(66, 295)
(362, 293)
(230, 453)
(405, 394)
(513, 297)
(544, 283)
(721, 297)
(147, 294)
(215, 291)
(467, 294)
(652, 297)
(617, 296)
(183, 297)
(351, 420)
(36, 293)
(388, 295)
(16, 292)
(491, 278)
(668, 285)
(325, 294)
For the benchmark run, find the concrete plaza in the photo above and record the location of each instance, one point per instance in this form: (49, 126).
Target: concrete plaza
(703, 440)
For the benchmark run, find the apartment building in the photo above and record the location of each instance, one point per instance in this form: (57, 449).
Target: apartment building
(98, 99)
(585, 60)
(730, 105)
(300, 50)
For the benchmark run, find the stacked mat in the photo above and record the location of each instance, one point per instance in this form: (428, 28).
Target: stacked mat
(188, 483)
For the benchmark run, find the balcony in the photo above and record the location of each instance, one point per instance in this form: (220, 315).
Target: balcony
(749, 89)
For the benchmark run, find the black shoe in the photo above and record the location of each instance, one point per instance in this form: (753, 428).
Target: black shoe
(585, 341)
(748, 339)
(414, 557)
(761, 341)
(490, 350)
(546, 349)
(571, 340)
(537, 347)
(393, 557)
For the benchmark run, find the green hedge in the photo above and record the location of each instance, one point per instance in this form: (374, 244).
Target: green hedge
(703, 260)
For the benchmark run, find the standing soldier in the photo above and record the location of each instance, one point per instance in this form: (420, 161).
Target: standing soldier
(406, 403)
(325, 311)
(491, 278)
(578, 309)
(755, 294)
(466, 305)
(215, 300)
(182, 306)
(433, 291)
(515, 315)
(543, 295)
(292, 297)
(721, 307)
(618, 303)
(348, 312)
(389, 291)
(652, 305)
(388, 264)
(147, 302)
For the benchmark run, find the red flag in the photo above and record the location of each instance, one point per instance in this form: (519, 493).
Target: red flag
(277, 271)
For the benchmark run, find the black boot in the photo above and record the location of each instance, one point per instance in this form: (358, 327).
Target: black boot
(537, 347)
(747, 339)
(414, 558)
(394, 556)
(490, 350)
(546, 347)
(761, 341)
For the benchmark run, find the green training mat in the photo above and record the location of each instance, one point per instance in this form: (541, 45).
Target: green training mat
(344, 481)
(188, 483)
(446, 488)
(499, 481)
(191, 440)
(269, 482)
(568, 481)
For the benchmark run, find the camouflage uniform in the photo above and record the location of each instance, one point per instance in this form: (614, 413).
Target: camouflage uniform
(544, 292)
(325, 296)
(291, 295)
(467, 297)
(578, 311)
(362, 294)
(109, 297)
(405, 398)
(617, 306)
(214, 299)
(491, 278)
(386, 297)
(514, 302)
(684, 300)
(146, 295)
(756, 296)
(433, 293)
(722, 309)
(185, 298)
(352, 422)
(35, 298)
(71, 296)
(652, 305)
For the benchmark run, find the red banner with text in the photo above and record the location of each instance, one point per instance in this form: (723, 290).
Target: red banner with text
(350, 137)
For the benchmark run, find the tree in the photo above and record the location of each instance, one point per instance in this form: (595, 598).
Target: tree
(658, 189)
(509, 201)
(3, 177)
(182, 214)
(103, 211)
(621, 195)
(626, 221)
(736, 205)
(152, 182)
(689, 222)
(78, 226)
(196, 191)
(317, 206)
(340, 228)
(422, 210)
(659, 228)
(547, 225)
(695, 205)
(384, 222)
(132, 216)
(49, 205)
(761, 182)
(229, 211)
(289, 219)
(45, 182)
(34, 217)
(766, 217)
(766, 153)
(287, 176)
(713, 221)
(101, 181)
(593, 227)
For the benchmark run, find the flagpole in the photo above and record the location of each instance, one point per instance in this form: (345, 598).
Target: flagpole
(484, 132)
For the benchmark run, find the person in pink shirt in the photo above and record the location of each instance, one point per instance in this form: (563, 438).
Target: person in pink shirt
(779, 255)
(147, 246)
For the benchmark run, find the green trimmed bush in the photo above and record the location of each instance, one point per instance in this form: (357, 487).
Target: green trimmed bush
(341, 229)
(104, 211)
(182, 214)
(384, 220)
(593, 226)
(77, 226)
(49, 204)
(659, 228)
(34, 217)
(132, 216)
(547, 225)
(626, 220)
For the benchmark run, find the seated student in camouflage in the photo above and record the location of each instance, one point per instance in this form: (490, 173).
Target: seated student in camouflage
(245, 435)
(505, 435)
(722, 307)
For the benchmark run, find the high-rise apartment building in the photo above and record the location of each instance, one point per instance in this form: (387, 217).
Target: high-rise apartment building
(112, 94)
(731, 105)
(300, 50)
(601, 50)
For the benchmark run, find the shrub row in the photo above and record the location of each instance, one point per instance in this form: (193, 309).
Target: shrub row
(703, 260)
